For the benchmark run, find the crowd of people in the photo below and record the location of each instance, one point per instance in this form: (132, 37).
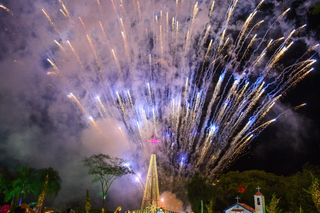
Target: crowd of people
(24, 208)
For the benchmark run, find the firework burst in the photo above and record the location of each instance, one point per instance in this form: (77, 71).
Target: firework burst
(173, 70)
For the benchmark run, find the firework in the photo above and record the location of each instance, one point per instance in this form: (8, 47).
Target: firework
(202, 92)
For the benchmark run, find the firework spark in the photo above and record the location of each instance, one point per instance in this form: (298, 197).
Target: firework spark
(203, 93)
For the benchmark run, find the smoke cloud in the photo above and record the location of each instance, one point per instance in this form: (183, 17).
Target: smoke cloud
(41, 127)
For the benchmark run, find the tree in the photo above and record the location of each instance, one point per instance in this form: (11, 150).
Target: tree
(21, 185)
(105, 170)
(199, 188)
(315, 9)
(88, 202)
(210, 206)
(273, 206)
(295, 194)
(314, 190)
(48, 183)
(27, 180)
(5, 184)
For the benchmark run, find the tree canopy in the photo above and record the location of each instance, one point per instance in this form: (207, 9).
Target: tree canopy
(199, 189)
(22, 184)
(315, 9)
(54, 182)
(28, 181)
(105, 170)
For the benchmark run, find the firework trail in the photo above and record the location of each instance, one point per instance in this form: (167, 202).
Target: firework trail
(203, 93)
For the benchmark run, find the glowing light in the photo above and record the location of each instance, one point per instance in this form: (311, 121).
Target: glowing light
(182, 160)
(50, 21)
(154, 140)
(60, 46)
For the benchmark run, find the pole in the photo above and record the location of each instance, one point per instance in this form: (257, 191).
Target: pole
(201, 206)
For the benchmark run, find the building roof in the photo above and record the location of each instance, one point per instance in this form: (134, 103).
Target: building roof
(258, 193)
(247, 207)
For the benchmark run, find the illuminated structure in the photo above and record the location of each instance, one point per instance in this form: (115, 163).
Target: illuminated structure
(151, 191)
(259, 205)
(151, 197)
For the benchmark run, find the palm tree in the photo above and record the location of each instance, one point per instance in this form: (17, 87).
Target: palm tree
(20, 186)
(48, 183)
(22, 183)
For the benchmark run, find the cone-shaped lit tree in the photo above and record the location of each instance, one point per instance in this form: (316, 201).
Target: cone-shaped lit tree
(151, 191)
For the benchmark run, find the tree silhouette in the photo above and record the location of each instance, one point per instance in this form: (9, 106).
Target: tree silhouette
(105, 170)
(48, 183)
(273, 206)
(21, 184)
(315, 9)
(314, 190)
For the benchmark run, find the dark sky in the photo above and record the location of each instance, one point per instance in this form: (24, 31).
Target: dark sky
(279, 149)
(41, 127)
(285, 146)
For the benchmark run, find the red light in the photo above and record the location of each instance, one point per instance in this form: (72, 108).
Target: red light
(242, 188)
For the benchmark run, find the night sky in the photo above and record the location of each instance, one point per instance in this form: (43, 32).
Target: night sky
(40, 127)
(284, 147)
